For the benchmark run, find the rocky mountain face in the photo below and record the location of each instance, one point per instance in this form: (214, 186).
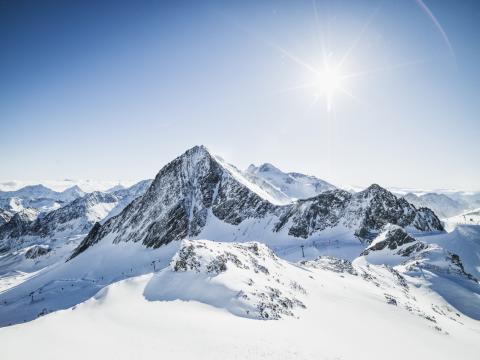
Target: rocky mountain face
(75, 218)
(365, 212)
(5, 216)
(179, 201)
(290, 185)
(197, 189)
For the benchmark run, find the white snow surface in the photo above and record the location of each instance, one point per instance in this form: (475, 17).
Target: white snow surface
(287, 185)
(116, 307)
(471, 217)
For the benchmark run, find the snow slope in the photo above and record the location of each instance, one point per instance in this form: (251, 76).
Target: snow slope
(471, 217)
(441, 204)
(201, 295)
(290, 185)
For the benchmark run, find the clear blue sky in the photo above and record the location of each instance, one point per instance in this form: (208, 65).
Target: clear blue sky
(115, 90)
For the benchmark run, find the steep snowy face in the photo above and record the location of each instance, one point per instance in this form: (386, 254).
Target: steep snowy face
(198, 190)
(77, 217)
(290, 185)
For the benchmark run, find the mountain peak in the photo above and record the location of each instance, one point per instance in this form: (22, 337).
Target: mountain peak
(267, 167)
(35, 187)
(375, 189)
(202, 149)
(73, 189)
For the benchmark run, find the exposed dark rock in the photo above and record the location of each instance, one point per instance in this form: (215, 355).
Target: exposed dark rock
(393, 237)
(332, 264)
(37, 251)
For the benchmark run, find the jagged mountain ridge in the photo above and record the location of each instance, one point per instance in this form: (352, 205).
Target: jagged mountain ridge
(39, 191)
(75, 218)
(38, 197)
(197, 189)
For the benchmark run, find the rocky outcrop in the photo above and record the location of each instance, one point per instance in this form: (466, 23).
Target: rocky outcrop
(264, 287)
(36, 251)
(391, 238)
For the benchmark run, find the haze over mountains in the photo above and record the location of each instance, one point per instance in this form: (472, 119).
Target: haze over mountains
(259, 244)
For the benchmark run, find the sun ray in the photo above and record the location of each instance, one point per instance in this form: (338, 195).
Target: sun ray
(359, 37)
(383, 68)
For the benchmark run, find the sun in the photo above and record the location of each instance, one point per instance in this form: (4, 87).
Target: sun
(329, 81)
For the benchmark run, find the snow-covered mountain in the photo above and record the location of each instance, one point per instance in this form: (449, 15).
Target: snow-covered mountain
(127, 195)
(115, 188)
(441, 204)
(443, 269)
(5, 216)
(198, 194)
(207, 244)
(291, 185)
(33, 192)
(38, 197)
(48, 238)
(73, 219)
(87, 185)
(77, 217)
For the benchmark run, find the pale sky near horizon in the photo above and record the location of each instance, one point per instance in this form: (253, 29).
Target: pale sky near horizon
(114, 90)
